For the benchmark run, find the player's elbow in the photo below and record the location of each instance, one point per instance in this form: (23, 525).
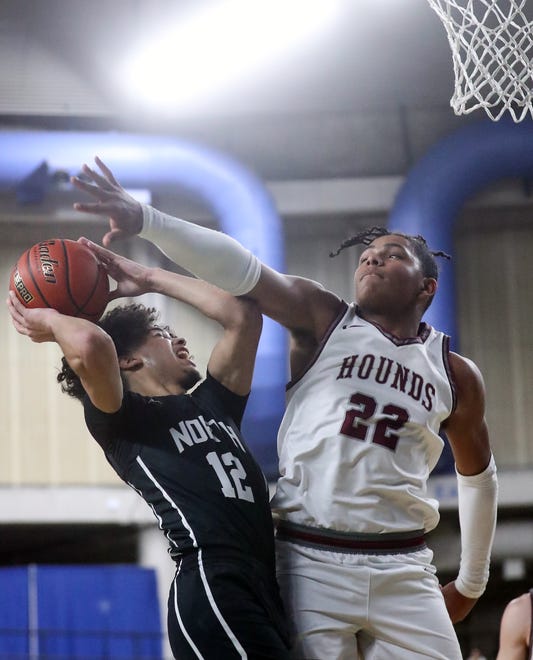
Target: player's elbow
(90, 345)
(246, 313)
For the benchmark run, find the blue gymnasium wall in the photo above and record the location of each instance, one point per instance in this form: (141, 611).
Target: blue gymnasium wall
(437, 187)
(80, 612)
(236, 197)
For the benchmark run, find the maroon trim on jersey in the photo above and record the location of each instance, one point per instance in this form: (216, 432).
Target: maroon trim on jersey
(320, 347)
(449, 370)
(394, 543)
(424, 331)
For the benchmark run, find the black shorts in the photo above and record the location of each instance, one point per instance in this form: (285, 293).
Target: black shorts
(224, 607)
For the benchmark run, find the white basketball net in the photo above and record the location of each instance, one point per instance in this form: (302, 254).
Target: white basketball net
(492, 48)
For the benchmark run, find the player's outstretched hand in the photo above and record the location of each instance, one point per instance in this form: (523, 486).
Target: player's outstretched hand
(124, 212)
(132, 278)
(34, 323)
(458, 606)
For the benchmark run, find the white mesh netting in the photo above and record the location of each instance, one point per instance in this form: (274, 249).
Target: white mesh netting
(492, 49)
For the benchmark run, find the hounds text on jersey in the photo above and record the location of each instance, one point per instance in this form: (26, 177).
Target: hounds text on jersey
(387, 371)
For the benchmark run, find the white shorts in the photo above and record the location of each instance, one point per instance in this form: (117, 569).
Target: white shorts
(343, 606)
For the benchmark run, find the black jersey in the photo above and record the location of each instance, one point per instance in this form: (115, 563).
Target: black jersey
(185, 456)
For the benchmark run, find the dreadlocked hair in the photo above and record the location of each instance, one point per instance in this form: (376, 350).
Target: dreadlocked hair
(128, 326)
(418, 243)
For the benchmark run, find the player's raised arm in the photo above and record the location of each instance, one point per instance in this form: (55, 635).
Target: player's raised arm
(88, 350)
(297, 303)
(232, 359)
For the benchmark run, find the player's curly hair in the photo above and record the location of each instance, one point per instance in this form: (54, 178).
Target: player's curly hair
(418, 243)
(128, 326)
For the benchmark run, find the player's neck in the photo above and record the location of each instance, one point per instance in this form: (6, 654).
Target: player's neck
(150, 387)
(402, 327)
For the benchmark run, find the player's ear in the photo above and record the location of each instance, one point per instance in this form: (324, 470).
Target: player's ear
(427, 290)
(429, 286)
(130, 363)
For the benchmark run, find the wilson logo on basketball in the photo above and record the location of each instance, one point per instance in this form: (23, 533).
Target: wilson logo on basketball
(21, 288)
(47, 263)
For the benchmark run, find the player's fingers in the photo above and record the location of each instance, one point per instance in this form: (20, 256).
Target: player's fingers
(83, 185)
(15, 305)
(21, 329)
(102, 182)
(11, 309)
(105, 169)
(96, 208)
(18, 320)
(110, 208)
(105, 256)
(113, 235)
(89, 207)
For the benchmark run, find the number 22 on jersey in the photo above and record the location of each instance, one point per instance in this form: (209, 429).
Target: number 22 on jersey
(355, 424)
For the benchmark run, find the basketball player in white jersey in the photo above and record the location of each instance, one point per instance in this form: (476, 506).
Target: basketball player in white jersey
(371, 388)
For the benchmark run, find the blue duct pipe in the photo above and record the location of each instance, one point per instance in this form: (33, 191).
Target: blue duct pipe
(440, 183)
(236, 198)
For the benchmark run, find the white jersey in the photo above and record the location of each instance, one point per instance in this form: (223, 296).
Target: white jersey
(360, 434)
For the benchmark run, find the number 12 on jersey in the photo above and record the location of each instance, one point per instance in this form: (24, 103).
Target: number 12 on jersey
(231, 474)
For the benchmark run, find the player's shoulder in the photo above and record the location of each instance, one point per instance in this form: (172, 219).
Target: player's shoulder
(134, 410)
(469, 388)
(520, 604)
(212, 394)
(517, 616)
(465, 371)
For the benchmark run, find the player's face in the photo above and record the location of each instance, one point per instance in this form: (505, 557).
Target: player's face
(168, 354)
(388, 279)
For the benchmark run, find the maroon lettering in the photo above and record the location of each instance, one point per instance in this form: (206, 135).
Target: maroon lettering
(366, 366)
(383, 372)
(400, 378)
(430, 394)
(347, 367)
(416, 386)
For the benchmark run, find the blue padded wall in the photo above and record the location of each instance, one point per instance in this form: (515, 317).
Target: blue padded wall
(80, 612)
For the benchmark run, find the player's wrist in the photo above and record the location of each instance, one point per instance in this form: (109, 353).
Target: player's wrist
(469, 590)
(153, 280)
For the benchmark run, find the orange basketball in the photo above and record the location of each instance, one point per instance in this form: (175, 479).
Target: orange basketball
(64, 275)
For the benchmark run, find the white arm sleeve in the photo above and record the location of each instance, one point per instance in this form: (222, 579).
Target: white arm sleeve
(477, 497)
(210, 255)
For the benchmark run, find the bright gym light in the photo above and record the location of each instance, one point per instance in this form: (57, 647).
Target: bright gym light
(219, 46)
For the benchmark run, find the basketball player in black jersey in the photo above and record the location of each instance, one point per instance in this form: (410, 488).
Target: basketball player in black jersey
(183, 453)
